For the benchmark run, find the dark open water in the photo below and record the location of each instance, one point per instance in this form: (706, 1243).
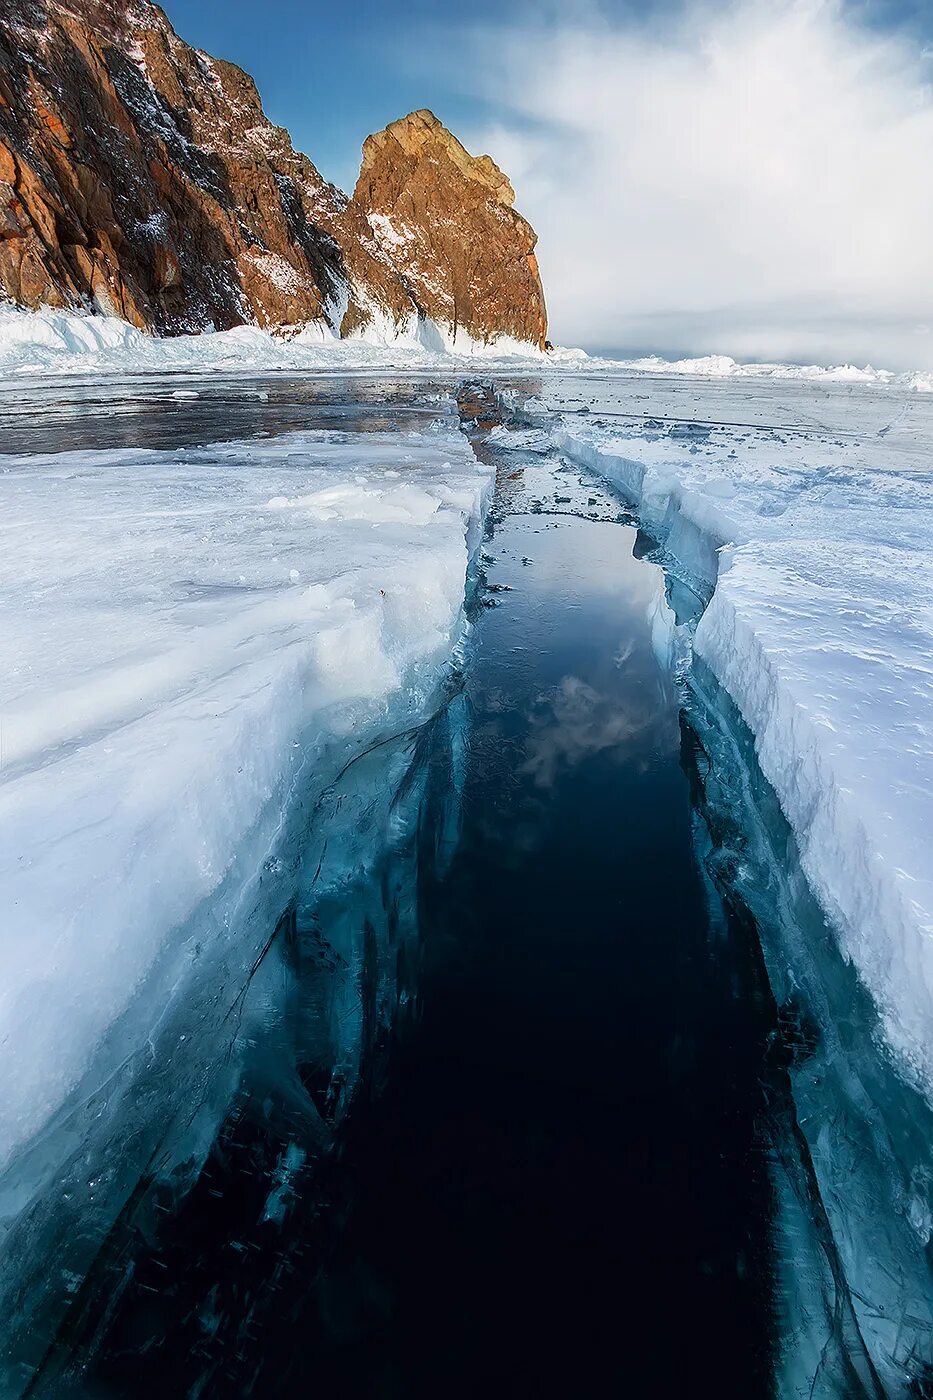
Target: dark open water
(562, 1189)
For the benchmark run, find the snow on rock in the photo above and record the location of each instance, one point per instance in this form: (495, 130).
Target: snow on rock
(817, 548)
(184, 633)
(201, 214)
(446, 219)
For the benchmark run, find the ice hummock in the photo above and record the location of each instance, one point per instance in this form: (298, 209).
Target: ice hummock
(189, 638)
(71, 343)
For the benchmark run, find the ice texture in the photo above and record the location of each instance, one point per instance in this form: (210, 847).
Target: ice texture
(851, 1142)
(187, 635)
(814, 541)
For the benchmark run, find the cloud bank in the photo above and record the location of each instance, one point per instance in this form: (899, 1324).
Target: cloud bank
(748, 178)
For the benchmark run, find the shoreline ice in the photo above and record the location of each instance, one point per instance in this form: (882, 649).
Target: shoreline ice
(72, 343)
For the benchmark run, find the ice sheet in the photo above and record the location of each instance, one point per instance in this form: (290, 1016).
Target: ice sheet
(807, 513)
(184, 632)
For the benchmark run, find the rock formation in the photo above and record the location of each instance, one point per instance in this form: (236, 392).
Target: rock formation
(141, 178)
(447, 218)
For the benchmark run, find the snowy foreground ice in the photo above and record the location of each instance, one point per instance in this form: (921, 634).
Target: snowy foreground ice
(806, 512)
(185, 634)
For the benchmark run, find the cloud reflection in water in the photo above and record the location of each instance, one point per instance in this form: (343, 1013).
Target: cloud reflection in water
(575, 721)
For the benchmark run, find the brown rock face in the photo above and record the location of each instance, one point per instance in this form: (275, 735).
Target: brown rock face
(141, 178)
(447, 217)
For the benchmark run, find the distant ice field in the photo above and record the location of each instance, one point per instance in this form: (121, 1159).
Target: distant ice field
(68, 343)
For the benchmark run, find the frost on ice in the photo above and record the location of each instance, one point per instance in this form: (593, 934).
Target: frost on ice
(189, 637)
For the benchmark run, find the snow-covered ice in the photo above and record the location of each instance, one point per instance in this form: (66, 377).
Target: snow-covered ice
(725, 367)
(66, 343)
(187, 635)
(72, 343)
(800, 497)
(811, 527)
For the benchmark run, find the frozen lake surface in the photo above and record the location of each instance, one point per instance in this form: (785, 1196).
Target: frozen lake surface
(571, 1126)
(531, 1053)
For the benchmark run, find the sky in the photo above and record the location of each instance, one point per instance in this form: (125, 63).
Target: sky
(743, 177)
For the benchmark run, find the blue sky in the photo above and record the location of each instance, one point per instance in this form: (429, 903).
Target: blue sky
(747, 177)
(335, 72)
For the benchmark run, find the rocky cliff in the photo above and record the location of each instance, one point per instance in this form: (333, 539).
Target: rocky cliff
(447, 218)
(141, 178)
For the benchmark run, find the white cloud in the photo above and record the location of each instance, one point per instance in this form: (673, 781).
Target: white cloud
(751, 178)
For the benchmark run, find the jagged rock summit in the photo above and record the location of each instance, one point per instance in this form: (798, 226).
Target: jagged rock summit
(447, 216)
(141, 178)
